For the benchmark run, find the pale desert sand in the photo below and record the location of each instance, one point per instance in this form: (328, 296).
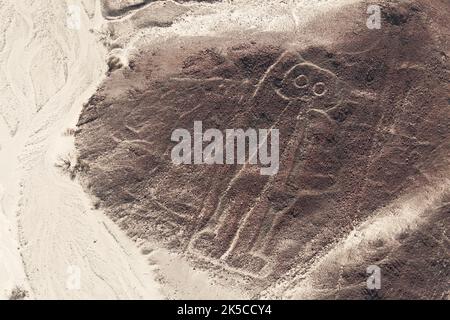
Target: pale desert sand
(48, 70)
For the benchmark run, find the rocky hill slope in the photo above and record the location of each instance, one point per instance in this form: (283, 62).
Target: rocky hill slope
(364, 121)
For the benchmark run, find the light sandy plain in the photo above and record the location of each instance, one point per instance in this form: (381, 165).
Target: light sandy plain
(52, 243)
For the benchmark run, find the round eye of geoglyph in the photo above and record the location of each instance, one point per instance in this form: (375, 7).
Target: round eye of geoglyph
(301, 81)
(319, 89)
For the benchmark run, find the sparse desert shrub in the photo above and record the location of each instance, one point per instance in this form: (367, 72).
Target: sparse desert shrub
(69, 132)
(64, 162)
(146, 250)
(70, 165)
(107, 36)
(114, 63)
(18, 293)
